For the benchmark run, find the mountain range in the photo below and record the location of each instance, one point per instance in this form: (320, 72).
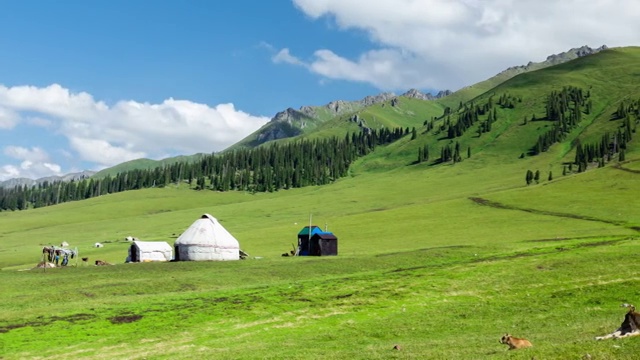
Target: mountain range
(295, 122)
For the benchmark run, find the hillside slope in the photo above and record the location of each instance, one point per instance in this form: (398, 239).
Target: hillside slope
(292, 123)
(608, 78)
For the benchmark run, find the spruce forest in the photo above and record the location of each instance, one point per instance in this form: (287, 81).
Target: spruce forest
(281, 166)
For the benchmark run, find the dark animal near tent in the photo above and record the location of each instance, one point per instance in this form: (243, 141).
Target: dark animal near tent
(514, 342)
(50, 252)
(630, 325)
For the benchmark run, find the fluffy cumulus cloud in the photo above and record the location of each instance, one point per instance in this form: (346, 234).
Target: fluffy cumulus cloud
(111, 134)
(33, 163)
(448, 44)
(8, 118)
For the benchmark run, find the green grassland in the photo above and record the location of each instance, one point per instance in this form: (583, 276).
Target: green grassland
(440, 259)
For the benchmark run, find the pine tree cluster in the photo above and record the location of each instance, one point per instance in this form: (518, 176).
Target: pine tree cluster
(565, 109)
(268, 168)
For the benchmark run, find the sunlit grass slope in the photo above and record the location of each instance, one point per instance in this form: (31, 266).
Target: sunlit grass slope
(416, 255)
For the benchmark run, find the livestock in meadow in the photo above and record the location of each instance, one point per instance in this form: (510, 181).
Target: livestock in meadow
(630, 325)
(514, 342)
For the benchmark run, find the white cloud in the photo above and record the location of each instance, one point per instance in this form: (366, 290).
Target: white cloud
(39, 122)
(452, 43)
(378, 67)
(283, 56)
(53, 100)
(8, 118)
(34, 163)
(102, 152)
(21, 153)
(109, 135)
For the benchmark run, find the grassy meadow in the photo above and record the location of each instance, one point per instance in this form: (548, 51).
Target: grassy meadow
(420, 266)
(440, 260)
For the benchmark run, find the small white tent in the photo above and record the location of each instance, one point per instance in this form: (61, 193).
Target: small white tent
(144, 251)
(206, 239)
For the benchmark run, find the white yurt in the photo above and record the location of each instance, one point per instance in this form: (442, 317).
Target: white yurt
(145, 251)
(206, 239)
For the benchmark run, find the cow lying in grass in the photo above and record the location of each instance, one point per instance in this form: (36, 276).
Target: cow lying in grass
(630, 325)
(514, 342)
(101, 263)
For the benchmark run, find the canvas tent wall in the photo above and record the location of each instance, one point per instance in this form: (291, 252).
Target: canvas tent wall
(323, 244)
(303, 239)
(312, 241)
(206, 239)
(143, 251)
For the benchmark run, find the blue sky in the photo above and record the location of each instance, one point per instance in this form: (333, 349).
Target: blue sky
(90, 84)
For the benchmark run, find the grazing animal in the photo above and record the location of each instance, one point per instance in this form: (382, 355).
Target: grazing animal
(630, 325)
(514, 342)
(50, 252)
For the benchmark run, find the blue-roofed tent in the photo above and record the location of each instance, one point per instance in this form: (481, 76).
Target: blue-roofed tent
(315, 242)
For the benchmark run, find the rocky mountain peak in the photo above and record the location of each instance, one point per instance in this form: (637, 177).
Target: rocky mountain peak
(574, 53)
(50, 179)
(290, 115)
(417, 94)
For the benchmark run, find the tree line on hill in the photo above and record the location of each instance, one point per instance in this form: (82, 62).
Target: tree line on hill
(468, 115)
(267, 168)
(609, 145)
(565, 108)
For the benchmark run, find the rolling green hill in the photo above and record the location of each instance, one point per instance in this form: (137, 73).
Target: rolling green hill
(438, 257)
(146, 164)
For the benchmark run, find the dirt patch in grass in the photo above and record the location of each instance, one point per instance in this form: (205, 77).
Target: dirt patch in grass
(343, 296)
(7, 328)
(46, 321)
(620, 167)
(219, 300)
(88, 294)
(73, 318)
(188, 287)
(547, 251)
(424, 250)
(599, 243)
(125, 319)
(497, 205)
(564, 238)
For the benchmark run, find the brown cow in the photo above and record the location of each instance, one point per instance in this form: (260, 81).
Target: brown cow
(514, 342)
(630, 325)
